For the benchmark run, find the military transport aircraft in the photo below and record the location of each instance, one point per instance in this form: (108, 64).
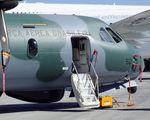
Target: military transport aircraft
(108, 13)
(44, 54)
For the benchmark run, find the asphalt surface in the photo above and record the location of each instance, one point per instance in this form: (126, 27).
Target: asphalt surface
(68, 109)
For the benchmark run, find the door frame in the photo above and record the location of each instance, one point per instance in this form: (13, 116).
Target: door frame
(79, 51)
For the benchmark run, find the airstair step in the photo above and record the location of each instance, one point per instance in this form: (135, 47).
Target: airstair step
(86, 95)
(92, 105)
(84, 89)
(87, 91)
(89, 96)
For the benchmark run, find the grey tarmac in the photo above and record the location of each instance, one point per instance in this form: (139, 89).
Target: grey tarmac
(68, 109)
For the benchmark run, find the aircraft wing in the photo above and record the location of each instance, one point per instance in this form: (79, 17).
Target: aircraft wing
(136, 30)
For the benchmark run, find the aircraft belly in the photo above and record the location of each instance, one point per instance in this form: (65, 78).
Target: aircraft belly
(52, 67)
(22, 75)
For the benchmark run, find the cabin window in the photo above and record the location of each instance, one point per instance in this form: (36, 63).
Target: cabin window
(32, 47)
(105, 36)
(116, 37)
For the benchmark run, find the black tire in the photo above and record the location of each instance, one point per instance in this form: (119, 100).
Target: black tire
(38, 96)
(1, 93)
(132, 90)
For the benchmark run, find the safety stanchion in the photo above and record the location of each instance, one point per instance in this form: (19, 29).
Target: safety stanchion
(138, 65)
(130, 103)
(4, 81)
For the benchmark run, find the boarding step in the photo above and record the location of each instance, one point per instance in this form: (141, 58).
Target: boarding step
(84, 90)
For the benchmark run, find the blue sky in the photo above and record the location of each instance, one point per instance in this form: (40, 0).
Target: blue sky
(126, 2)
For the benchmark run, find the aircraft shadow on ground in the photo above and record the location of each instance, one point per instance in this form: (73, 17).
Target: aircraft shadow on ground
(145, 78)
(133, 109)
(55, 107)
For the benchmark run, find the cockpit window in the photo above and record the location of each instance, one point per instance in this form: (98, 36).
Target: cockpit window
(116, 38)
(105, 36)
(32, 47)
(108, 35)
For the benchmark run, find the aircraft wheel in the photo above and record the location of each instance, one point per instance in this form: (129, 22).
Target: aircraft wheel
(1, 93)
(132, 90)
(38, 96)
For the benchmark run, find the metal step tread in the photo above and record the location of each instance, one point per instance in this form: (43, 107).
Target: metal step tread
(91, 104)
(87, 92)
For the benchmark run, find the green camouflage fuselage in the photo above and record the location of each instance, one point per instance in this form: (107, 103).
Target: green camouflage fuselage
(51, 68)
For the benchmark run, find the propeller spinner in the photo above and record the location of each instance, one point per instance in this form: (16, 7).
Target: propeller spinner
(8, 4)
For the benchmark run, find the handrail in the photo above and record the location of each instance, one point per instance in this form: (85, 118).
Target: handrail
(96, 81)
(75, 68)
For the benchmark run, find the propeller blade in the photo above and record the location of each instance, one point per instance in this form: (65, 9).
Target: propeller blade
(8, 4)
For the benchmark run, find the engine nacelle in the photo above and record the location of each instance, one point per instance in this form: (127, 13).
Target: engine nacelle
(7, 5)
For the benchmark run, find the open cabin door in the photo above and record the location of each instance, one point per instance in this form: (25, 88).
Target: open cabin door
(81, 51)
(83, 85)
